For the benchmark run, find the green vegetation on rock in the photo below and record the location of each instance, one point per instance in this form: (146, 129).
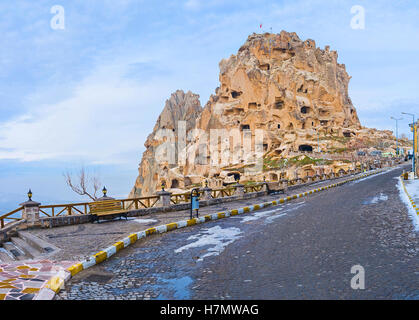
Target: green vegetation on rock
(299, 161)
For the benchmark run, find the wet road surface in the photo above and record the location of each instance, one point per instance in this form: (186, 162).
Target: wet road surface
(301, 250)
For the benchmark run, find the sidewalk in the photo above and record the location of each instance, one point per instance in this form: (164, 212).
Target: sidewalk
(412, 188)
(22, 280)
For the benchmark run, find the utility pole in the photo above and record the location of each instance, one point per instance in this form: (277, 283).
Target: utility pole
(397, 135)
(414, 127)
(414, 153)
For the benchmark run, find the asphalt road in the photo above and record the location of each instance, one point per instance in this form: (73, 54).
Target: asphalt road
(301, 250)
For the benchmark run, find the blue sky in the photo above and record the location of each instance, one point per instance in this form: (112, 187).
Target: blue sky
(91, 93)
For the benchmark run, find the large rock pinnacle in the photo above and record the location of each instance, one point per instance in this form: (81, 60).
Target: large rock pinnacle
(293, 91)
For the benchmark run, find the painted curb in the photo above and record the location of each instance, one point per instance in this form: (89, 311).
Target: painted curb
(45, 294)
(415, 207)
(56, 283)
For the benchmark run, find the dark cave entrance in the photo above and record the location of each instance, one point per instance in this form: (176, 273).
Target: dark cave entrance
(305, 148)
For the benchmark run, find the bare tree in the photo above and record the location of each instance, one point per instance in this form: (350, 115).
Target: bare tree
(84, 184)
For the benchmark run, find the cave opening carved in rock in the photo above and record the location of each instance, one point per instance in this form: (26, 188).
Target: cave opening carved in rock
(265, 66)
(252, 105)
(305, 148)
(305, 109)
(279, 103)
(235, 94)
(174, 184)
(347, 134)
(236, 175)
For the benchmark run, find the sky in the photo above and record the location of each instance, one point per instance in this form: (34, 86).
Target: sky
(86, 90)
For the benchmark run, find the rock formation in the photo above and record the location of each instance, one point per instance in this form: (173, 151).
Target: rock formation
(152, 171)
(296, 93)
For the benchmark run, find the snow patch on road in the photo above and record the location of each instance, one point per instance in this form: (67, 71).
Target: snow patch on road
(410, 209)
(271, 215)
(376, 199)
(258, 215)
(144, 220)
(284, 212)
(216, 237)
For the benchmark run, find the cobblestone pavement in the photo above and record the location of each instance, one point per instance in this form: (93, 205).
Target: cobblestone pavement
(23, 280)
(80, 241)
(301, 250)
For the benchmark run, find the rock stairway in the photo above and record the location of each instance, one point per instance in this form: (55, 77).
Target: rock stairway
(24, 246)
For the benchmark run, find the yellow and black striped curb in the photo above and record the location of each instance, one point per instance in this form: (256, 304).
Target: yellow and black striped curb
(56, 283)
(410, 198)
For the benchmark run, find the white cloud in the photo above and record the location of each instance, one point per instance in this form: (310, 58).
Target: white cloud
(101, 122)
(106, 116)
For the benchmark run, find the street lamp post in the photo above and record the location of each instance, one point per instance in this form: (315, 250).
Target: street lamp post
(413, 161)
(397, 135)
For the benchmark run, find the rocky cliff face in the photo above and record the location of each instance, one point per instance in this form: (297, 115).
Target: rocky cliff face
(152, 171)
(296, 93)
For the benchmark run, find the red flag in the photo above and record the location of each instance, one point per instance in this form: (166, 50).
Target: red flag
(260, 26)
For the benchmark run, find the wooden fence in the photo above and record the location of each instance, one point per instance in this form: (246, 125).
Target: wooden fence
(8, 217)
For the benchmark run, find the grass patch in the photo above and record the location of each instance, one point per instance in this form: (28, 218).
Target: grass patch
(299, 161)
